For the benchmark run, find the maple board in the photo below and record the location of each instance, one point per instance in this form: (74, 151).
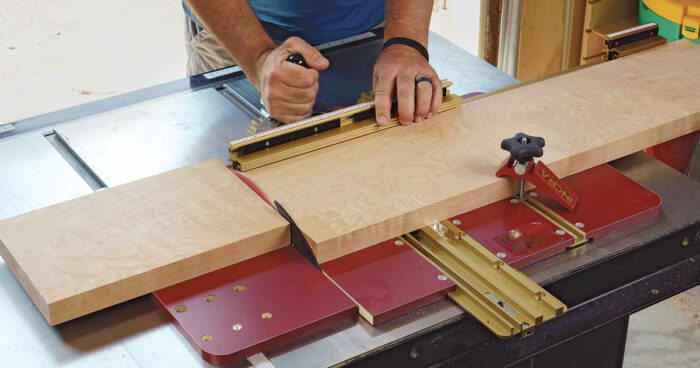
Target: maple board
(95, 251)
(361, 192)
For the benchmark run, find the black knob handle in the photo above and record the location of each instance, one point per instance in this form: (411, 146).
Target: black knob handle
(297, 59)
(523, 147)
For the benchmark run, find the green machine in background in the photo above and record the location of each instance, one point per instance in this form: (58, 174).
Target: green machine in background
(676, 18)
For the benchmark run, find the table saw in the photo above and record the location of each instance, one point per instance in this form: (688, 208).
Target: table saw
(77, 151)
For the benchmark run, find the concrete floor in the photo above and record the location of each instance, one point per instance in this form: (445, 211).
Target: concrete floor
(61, 53)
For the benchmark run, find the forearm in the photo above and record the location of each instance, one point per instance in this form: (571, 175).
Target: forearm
(236, 27)
(409, 19)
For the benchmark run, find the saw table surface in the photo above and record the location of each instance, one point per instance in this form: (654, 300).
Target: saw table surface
(69, 153)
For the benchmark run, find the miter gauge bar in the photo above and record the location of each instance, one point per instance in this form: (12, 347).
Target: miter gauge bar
(316, 132)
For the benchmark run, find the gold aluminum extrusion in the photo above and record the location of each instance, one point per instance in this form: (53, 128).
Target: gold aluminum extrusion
(639, 38)
(500, 297)
(347, 130)
(579, 235)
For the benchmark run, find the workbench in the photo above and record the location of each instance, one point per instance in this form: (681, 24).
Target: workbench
(69, 153)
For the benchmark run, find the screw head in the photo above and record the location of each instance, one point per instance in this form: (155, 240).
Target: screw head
(267, 143)
(533, 194)
(654, 291)
(514, 234)
(237, 326)
(239, 288)
(579, 225)
(560, 232)
(398, 243)
(501, 255)
(514, 201)
(457, 222)
(442, 277)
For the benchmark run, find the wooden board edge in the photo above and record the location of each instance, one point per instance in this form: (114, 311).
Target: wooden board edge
(25, 282)
(329, 249)
(61, 311)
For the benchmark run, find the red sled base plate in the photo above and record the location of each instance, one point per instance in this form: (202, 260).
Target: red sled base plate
(608, 201)
(514, 232)
(238, 311)
(388, 279)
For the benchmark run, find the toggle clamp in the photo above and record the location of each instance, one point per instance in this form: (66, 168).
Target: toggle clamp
(520, 164)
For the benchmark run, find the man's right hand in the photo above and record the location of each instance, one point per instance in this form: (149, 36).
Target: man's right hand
(288, 90)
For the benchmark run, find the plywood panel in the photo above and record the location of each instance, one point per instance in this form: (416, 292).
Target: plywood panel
(92, 252)
(361, 192)
(578, 12)
(541, 41)
(491, 27)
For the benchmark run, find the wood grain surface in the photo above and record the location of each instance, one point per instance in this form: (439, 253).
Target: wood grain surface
(95, 251)
(361, 192)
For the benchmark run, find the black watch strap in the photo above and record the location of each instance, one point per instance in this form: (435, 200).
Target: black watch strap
(408, 42)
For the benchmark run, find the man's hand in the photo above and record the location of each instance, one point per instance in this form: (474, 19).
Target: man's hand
(395, 73)
(399, 66)
(288, 90)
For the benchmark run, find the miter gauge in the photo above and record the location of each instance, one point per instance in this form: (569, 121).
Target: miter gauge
(316, 132)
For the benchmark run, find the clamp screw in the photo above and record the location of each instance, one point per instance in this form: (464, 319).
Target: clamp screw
(501, 255)
(580, 225)
(398, 243)
(560, 232)
(457, 222)
(514, 201)
(442, 277)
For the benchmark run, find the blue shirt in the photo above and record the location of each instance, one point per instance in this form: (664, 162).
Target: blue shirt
(316, 21)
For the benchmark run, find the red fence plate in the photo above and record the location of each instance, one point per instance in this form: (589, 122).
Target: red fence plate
(514, 232)
(243, 309)
(608, 201)
(388, 280)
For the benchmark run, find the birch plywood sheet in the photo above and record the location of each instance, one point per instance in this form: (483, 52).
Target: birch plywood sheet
(95, 251)
(364, 191)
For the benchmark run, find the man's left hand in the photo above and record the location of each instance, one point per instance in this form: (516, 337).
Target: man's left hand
(395, 74)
